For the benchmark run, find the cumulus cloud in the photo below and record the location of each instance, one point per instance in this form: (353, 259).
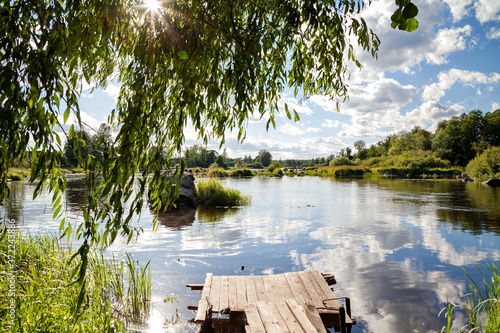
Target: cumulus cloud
(402, 51)
(331, 123)
(494, 33)
(291, 129)
(487, 10)
(378, 98)
(447, 79)
(459, 8)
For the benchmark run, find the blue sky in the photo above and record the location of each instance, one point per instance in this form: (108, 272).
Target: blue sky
(449, 65)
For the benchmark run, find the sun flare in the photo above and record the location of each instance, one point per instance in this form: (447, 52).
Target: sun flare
(152, 5)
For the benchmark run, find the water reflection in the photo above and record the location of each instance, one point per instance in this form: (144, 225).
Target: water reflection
(177, 219)
(13, 205)
(396, 247)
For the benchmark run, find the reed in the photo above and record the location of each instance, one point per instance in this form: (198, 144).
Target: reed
(217, 173)
(38, 280)
(211, 193)
(482, 307)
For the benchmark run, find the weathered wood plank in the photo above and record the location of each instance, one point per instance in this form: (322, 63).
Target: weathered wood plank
(224, 293)
(215, 293)
(195, 286)
(328, 293)
(311, 286)
(313, 315)
(233, 293)
(275, 313)
(251, 292)
(260, 288)
(242, 293)
(270, 323)
(288, 317)
(203, 304)
(294, 287)
(270, 287)
(299, 313)
(301, 287)
(284, 287)
(253, 319)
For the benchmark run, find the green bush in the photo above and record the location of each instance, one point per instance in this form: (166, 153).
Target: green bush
(341, 161)
(278, 171)
(218, 173)
(241, 173)
(273, 166)
(211, 193)
(486, 165)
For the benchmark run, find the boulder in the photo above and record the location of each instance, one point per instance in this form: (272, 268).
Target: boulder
(187, 191)
(494, 182)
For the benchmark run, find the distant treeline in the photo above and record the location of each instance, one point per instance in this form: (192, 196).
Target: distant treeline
(455, 142)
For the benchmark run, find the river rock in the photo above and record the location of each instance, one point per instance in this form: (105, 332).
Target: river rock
(492, 182)
(187, 196)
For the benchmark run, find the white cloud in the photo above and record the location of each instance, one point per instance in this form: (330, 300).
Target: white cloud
(324, 101)
(313, 130)
(447, 41)
(331, 123)
(447, 79)
(403, 51)
(487, 10)
(379, 98)
(113, 91)
(290, 129)
(494, 33)
(495, 106)
(431, 112)
(459, 8)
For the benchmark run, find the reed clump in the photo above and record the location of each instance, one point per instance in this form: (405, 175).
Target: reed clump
(211, 193)
(37, 282)
(481, 307)
(217, 173)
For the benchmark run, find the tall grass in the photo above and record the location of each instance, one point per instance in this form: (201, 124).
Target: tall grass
(37, 278)
(482, 308)
(211, 193)
(217, 173)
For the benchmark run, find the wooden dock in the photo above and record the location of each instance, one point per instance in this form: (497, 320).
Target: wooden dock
(290, 302)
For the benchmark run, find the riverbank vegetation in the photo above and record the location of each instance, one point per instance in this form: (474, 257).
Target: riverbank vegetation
(469, 142)
(482, 307)
(38, 281)
(211, 193)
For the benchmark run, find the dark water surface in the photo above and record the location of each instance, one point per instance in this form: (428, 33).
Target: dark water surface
(396, 247)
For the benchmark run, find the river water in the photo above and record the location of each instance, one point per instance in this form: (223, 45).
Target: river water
(396, 247)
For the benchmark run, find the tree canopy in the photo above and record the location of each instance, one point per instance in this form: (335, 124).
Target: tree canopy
(207, 64)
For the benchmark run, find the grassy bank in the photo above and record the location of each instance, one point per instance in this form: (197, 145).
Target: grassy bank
(38, 295)
(482, 307)
(211, 193)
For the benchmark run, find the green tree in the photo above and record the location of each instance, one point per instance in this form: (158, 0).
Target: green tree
(208, 63)
(265, 158)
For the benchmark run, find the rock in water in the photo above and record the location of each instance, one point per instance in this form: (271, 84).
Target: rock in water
(492, 182)
(187, 196)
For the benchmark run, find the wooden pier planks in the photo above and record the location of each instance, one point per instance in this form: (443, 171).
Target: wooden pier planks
(281, 317)
(255, 295)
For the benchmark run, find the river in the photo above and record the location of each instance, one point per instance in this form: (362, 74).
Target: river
(396, 247)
